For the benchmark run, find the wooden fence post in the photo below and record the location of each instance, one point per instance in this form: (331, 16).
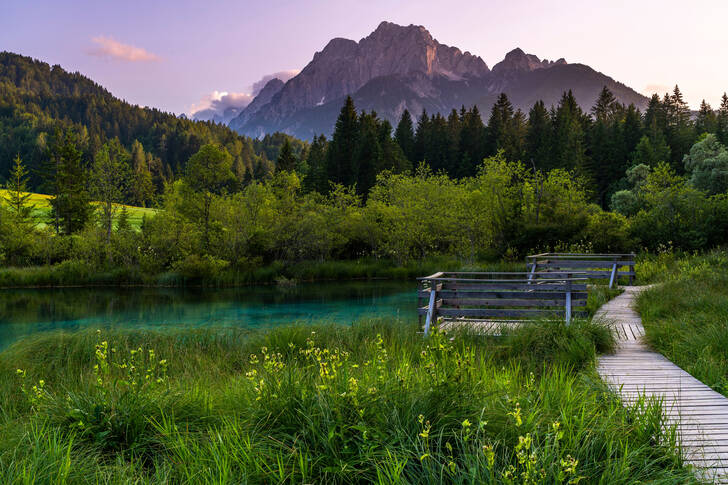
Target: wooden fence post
(431, 307)
(613, 275)
(568, 299)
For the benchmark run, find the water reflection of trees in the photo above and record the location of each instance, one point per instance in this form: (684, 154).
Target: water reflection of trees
(24, 311)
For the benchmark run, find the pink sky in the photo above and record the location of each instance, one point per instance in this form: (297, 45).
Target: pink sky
(175, 54)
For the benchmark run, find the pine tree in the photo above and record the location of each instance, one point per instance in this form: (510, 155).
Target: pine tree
(404, 135)
(122, 223)
(514, 145)
(340, 160)
(472, 143)
(368, 153)
(17, 193)
(315, 180)
(286, 159)
(70, 203)
(631, 129)
(679, 134)
(501, 115)
(142, 185)
(721, 122)
(422, 138)
(603, 142)
(569, 137)
(539, 137)
(705, 121)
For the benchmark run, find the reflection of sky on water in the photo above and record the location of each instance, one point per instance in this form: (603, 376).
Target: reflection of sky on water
(25, 312)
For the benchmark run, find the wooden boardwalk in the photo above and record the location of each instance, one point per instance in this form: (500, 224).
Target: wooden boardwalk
(699, 413)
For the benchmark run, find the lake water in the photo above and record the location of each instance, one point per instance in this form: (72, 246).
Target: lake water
(28, 311)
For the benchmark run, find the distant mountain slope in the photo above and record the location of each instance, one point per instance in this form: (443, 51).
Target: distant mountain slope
(37, 99)
(404, 67)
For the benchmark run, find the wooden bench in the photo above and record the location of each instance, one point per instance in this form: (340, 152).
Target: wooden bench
(491, 301)
(597, 266)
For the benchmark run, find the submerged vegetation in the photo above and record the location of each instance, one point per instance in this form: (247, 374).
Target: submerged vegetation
(373, 402)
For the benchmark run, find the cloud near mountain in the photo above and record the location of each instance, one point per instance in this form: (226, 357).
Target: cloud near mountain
(112, 49)
(223, 106)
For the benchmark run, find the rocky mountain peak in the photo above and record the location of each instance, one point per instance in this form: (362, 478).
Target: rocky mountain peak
(344, 65)
(518, 61)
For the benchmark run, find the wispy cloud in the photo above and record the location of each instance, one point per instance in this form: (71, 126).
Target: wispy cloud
(282, 75)
(112, 49)
(221, 105)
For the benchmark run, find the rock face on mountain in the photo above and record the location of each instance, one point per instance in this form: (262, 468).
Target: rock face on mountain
(264, 97)
(404, 67)
(517, 61)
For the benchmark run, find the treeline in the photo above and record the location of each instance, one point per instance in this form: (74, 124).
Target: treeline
(213, 229)
(598, 146)
(37, 100)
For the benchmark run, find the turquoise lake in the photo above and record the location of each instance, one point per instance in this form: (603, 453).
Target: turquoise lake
(28, 311)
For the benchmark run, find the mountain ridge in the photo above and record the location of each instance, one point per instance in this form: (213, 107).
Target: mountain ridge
(404, 67)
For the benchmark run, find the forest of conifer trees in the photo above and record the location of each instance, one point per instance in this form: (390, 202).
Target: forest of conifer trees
(599, 145)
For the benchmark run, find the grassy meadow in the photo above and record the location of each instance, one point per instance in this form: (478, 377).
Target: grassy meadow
(686, 314)
(369, 403)
(42, 210)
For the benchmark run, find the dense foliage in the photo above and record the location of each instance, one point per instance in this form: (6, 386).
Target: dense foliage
(38, 100)
(441, 187)
(598, 146)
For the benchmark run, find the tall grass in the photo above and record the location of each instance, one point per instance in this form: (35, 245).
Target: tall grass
(686, 316)
(370, 403)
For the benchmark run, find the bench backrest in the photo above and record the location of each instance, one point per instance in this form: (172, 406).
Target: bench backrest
(500, 296)
(597, 266)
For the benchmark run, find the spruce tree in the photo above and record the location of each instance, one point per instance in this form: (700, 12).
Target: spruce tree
(422, 138)
(501, 115)
(680, 132)
(316, 179)
(340, 160)
(17, 193)
(569, 136)
(122, 222)
(514, 145)
(631, 129)
(705, 121)
(539, 137)
(368, 153)
(472, 143)
(404, 135)
(70, 201)
(603, 142)
(286, 159)
(141, 185)
(721, 123)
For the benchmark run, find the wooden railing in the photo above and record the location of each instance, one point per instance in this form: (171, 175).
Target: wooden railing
(500, 297)
(597, 266)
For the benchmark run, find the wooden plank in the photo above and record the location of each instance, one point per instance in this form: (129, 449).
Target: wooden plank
(561, 264)
(454, 293)
(541, 281)
(513, 286)
(507, 302)
(494, 312)
(699, 414)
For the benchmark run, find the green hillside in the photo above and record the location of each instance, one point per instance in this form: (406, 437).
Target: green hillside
(42, 209)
